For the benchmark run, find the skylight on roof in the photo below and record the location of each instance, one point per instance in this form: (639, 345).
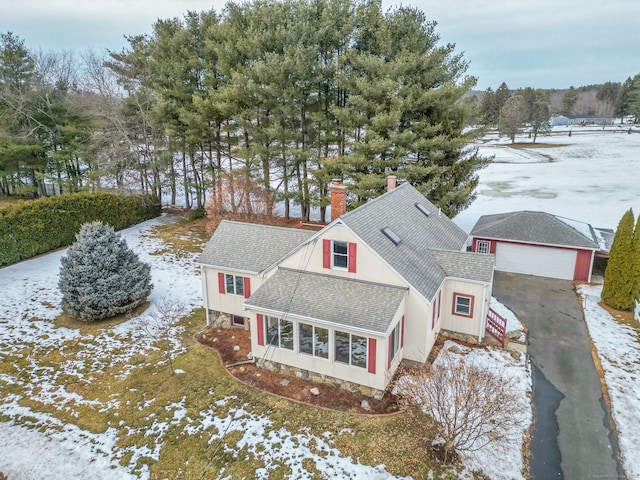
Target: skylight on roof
(391, 235)
(422, 208)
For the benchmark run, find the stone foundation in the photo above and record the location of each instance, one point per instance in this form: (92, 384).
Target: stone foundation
(223, 320)
(319, 378)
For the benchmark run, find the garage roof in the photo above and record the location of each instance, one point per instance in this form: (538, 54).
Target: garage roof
(536, 227)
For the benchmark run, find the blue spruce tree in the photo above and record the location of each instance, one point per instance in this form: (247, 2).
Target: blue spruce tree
(100, 276)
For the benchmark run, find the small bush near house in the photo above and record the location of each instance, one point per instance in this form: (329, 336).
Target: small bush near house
(100, 276)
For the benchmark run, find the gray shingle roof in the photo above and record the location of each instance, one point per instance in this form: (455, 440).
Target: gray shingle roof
(472, 266)
(412, 258)
(250, 247)
(343, 301)
(531, 227)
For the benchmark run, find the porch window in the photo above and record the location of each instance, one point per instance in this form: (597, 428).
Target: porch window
(482, 246)
(313, 340)
(394, 342)
(279, 332)
(350, 349)
(463, 305)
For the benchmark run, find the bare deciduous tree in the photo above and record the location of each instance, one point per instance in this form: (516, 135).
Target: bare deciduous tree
(472, 405)
(160, 326)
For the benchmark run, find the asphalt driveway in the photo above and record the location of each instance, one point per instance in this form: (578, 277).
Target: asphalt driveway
(572, 436)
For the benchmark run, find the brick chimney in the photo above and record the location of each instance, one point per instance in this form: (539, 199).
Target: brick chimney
(338, 193)
(391, 182)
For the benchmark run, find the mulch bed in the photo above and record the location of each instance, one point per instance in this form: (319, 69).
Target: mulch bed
(224, 340)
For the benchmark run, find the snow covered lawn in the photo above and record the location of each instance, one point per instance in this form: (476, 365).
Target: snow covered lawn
(98, 402)
(618, 347)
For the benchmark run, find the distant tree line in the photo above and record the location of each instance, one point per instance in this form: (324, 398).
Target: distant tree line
(510, 110)
(275, 97)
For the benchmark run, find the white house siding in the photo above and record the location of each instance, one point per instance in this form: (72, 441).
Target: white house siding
(329, 367)
(226, 303)
(536, 260)
(470, 326)
(418, 335)
(369, 266)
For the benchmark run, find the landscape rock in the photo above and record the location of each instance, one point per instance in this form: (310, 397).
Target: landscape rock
(315, 391)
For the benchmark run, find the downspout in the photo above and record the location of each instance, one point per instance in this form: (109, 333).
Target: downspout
(203, 272)
(483, 319)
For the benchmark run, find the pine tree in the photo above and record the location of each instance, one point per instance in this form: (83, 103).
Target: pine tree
(100, 276)
(620, 277)
(636, 262)
(512, 117)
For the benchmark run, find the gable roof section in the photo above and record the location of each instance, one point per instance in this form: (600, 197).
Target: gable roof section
(325, 298)
(419, 234)
(470, 266)
(534, 227)
(250, 247)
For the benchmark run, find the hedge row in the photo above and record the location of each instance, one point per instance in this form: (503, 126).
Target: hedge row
(30, 228)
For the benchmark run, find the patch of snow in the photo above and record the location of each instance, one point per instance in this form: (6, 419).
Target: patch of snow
(513, 324)
(618, 347)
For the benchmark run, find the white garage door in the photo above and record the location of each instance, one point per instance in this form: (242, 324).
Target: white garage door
(532, 260)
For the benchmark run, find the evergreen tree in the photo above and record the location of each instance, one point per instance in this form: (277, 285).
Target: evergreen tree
(100, 276)
(569, 100)
(512, 117)
(620, 277)
(636, 261)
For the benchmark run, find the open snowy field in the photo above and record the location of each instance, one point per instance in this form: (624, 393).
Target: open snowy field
(55, 423)
(592, 176)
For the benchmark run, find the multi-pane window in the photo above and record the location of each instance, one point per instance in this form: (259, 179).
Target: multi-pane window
(350, 349)
(313, 340)
(234, 284)
(279, 332)
(463, 305)
(482, 246)
(340, 254)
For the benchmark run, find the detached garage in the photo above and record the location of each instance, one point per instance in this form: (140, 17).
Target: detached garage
(538, 243)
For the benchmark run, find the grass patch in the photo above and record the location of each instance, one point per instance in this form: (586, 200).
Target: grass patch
(161, 419)
(182, 236)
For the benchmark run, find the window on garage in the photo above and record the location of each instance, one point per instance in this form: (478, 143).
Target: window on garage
(482, 246)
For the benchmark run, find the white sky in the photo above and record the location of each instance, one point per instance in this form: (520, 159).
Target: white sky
(537, 43)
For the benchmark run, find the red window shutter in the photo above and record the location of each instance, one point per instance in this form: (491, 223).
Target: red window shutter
(247, 287)
(352, 257)
(402, 332)
(326, 253)
(221, 288)
(492, 247)
(371, 351)
(260, 325)
(389, 352)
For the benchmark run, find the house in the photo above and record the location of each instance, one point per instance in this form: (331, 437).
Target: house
(346, 304)
(539, 243)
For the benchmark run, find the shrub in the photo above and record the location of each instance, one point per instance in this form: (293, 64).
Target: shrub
(100, 276)
(39, 226)
(620, 277)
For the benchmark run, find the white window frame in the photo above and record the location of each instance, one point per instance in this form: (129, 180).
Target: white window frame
(483, 246)
(334, 254)
(234, 284)
(467, 310)
(279, 337)
(314, 345)
(351, 346)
